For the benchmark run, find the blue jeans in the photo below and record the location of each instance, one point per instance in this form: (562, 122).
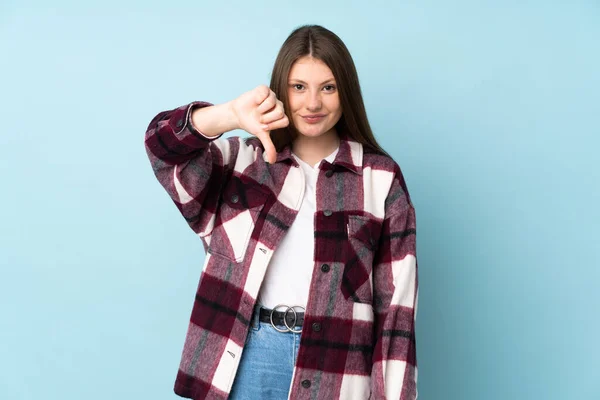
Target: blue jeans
(267, 363)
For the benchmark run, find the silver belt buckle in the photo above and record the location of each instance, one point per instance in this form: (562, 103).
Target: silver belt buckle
(289, 328)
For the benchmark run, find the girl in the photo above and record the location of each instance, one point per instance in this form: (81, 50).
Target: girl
(309, 287)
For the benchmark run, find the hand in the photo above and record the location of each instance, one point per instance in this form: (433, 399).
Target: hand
(258, 112)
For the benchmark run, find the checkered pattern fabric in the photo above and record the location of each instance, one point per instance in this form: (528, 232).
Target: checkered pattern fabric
(358, 339)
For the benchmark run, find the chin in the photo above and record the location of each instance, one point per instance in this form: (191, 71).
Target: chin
(311, 134)
(312, 131)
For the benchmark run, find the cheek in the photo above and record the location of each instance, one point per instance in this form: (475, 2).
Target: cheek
(336, 112)
(293, 102)
(334, 106)
(294, 109)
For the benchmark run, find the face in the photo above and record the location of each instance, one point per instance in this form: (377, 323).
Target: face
(313, 98)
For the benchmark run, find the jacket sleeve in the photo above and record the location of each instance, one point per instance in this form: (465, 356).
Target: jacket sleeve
(395, 285)
(190, 166)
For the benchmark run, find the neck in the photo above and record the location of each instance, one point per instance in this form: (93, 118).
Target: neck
(311, 150)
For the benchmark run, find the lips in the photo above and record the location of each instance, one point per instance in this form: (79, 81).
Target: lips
(313, 119)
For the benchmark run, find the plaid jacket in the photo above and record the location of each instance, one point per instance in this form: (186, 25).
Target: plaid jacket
(358, 338)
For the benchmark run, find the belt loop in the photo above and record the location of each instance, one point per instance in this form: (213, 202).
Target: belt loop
(255, 322)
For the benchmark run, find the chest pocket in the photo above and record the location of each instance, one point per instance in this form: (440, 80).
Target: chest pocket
(239, 209)
(363, 240)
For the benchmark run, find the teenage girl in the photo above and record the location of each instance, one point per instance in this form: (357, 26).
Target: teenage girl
(309, 288)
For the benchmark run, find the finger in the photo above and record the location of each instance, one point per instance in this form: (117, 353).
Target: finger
(272, 115)
(280, 123)
(262, 92)
(268, 103)
(270, 151)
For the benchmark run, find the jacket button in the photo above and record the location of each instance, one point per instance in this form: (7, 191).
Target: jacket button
(235, 198)
(325, 268)
(179, 123)
(306, 383)
(327, 213)
(329, 173)
(316, 327)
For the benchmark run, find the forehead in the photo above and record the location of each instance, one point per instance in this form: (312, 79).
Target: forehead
(308, 69)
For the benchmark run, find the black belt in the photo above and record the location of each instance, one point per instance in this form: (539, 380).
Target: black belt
(289, 318)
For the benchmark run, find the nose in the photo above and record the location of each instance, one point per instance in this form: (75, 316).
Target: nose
(314, 101)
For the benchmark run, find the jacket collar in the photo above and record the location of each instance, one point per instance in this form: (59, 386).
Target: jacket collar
(349, 156)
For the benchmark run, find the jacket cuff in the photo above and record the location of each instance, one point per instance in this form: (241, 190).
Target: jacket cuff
(181, 121)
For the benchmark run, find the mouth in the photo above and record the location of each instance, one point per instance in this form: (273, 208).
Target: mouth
(314, 118)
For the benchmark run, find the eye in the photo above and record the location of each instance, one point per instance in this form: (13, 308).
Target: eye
(329, 88)
(298, 86)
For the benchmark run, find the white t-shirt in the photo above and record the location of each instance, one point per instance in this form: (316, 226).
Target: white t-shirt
(288, 276)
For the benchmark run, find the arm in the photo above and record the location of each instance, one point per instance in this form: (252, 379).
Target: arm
(214, 121)
(191, 165)
(394, 374)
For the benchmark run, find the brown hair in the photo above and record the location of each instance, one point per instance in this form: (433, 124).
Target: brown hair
(324, 45)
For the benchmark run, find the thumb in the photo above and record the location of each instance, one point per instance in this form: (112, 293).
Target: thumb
(267, 143)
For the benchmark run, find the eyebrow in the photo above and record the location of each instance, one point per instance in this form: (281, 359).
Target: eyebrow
(322, 83)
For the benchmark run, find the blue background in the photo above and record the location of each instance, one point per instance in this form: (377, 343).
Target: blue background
(490, 108)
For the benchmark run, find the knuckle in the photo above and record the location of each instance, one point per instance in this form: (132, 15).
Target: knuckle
(262, 91)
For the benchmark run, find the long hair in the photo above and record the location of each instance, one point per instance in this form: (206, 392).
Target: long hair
(324, 45)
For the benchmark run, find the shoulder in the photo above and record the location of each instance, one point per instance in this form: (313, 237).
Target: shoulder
(379, 161)
(381, 166)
